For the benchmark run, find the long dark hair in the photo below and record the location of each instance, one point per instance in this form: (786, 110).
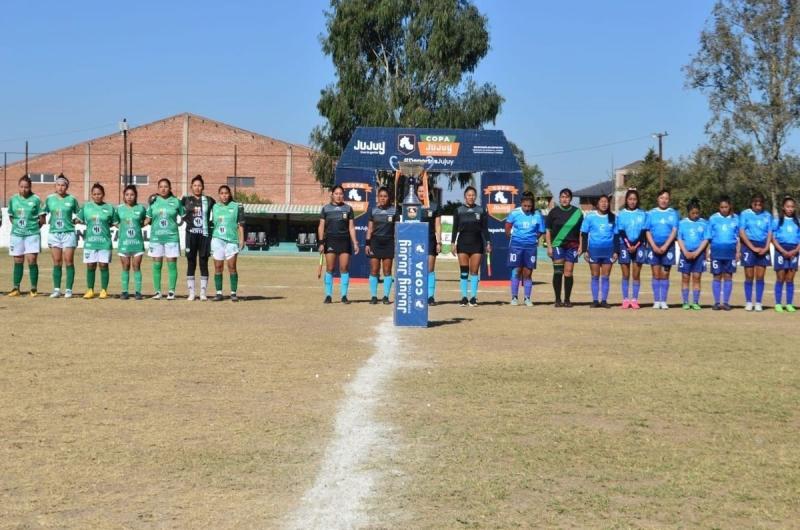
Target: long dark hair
(782, 216)
(633, 192)
(131, 187)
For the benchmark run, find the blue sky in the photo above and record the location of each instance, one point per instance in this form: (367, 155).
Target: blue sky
(574, 74)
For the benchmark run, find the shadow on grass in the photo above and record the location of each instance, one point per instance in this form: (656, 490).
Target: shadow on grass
(447, 322)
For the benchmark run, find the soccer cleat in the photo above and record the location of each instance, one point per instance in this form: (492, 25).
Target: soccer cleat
(386, 300)
(156, 296)
(634, 304)
(171, 295)
(431, 300)
(218, 298)
(464, 302)
(191, 297)
(138, 296)
(595, 304)
(103, 294)
(759, 308)
(123, 296)
(203, 297)
(626, 304)
(790, 308)
(14, 292)
(696, 307)
(779, 308)
(686, 306)
(234, 297)
(664, 305)
(528, 302)
(56, 293)
(345, 300)
(656, 305)
(558, 303)
(748, 306)
(567, 303)
(726, 307)
(716, 307)
(33, 294)
(604, 305)
(68, 293)
(514, 301)
(88, 295)
(326, 301)
(373, 300)
(473, 302)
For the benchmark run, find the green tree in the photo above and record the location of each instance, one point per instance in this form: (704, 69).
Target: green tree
(532, 175)
(401, 63)
(748, 67)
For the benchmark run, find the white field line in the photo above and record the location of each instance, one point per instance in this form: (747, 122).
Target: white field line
(345, 481)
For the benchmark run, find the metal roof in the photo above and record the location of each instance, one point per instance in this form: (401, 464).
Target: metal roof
(282, 209)
(596, 190)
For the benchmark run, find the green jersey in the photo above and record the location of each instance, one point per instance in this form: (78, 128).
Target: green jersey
(163, 214)
(61, 210)
(227, 218)
(24, 214)
(98, 219)
(131, 219)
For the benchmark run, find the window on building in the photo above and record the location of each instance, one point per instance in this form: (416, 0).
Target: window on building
(139, 180)
(242, 182)
(42, 178)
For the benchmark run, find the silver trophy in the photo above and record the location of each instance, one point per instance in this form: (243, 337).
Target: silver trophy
(412, 206)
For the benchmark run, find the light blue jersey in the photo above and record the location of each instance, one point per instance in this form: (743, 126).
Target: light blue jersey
(600, 231)
(660, 224)
(692, 233)
(756, 226)
(723, 232)
(526, 228)
(630, 224)
(786, 233)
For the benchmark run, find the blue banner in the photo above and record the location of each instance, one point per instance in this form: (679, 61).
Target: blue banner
(359, 193)
(411, 275)
(500, 194)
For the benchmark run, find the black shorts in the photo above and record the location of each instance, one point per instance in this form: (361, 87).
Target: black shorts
(432, 246)
(198, 245)
(382, 247)
(469, 244)
(338, 245)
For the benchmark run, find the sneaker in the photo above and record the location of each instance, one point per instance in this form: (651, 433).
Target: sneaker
(759, 308)
(604, 305)
(528, 302)
(790, 308)
(686, 306)
(156, 296)
(123, 296)
(464, 302)
(171, 295)
(431, 300)
(595, 304)
(103, 294)
(567, 303)
(514, 301)
(203, 297)
(726, 307)
(779, 308)
(386, 300)
(626, 304)
(634, 304)
(234, 297)
(88, 295)
(664, 305)
(14, 292)
(68, 293)
(716, 307)
(138, 296)
(56, 293)
(373, 300)
(345, 300)
(33, 294)
(190, 298)
(748, 306)
(218, 298)
(473, 302)
(696, 307)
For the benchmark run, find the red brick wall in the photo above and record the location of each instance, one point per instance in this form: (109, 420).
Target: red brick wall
(158, 152)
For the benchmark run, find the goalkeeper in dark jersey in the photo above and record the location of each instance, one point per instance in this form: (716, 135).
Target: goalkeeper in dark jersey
(198, 235)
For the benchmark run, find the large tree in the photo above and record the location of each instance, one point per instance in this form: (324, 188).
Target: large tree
(748, 67)
(401, 63)
(532, 175)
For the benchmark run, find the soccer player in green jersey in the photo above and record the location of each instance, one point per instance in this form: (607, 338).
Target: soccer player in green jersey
(226, 240)
(26, 214)
(98, 216)
(163, 215)
(62, 238)
(132, 217)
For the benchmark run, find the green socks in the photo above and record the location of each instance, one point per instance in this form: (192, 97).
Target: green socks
(104, 274)
(19, 269)
(90, 278)
(33, 269)
(172, 274)
(157, 276)
(70, 276)
(234, 281)
(126, 279)
(137, 281)
(218, 282)
(57, 277)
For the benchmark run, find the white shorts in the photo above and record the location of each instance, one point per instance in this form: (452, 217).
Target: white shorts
(96, 256)
(129, 254)
(164, 250)
(19, 246)
(62, 240)
(221, 250)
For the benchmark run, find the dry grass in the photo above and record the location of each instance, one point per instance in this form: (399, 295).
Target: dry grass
(164, 414)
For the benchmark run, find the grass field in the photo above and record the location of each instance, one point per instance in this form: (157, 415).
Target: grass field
(157, 414)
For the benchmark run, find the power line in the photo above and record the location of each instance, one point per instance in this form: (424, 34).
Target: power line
(589, 148)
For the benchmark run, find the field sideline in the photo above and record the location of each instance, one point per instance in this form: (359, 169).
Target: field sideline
(154, 414)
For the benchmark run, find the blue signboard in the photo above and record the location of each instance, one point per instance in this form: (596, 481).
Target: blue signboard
(500, 194)
(411, 275)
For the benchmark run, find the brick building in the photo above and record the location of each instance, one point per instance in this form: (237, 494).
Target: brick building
(178, 148)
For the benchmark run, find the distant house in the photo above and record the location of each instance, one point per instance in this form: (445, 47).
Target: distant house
(588, 196)
(621, 185)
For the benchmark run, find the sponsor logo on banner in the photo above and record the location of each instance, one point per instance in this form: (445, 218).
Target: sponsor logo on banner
(438, 145)
(370, 148)
(406, 143)
(356, 194)
(500, 200)
(487, 150)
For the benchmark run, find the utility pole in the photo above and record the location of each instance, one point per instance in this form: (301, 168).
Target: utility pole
(123, 127)
(26, 158)
(660, 137)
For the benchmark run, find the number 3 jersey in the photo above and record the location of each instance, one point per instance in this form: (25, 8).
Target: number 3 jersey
(61, 210)
(98, 219)
(198, 214)
(227, 218)
(131, 219)
(163, 214)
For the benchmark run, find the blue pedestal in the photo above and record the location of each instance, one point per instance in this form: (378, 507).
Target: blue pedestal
(411, 275)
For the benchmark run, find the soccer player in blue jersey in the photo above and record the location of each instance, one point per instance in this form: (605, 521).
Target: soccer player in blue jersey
(755, 233)
(786, 239)
(524, 226)
(632, 247)
(662, 229)
(723, 233)
(600, 243)
(692, 231)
